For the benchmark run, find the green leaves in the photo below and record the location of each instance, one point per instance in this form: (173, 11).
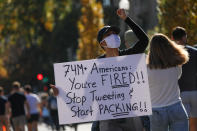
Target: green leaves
(34, 34)
(179, 13)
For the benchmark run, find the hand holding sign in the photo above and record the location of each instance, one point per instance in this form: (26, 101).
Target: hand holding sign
(102, 89)
(55, 90)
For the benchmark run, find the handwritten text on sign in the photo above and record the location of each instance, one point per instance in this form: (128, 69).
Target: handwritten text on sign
(101, 89)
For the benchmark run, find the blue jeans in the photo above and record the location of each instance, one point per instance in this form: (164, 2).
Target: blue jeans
(95, 126)
(170, 118)
(145, 122)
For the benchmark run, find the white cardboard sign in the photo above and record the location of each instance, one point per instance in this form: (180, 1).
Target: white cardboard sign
(101, 89)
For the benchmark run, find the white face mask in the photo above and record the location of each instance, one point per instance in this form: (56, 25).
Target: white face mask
(112, 41)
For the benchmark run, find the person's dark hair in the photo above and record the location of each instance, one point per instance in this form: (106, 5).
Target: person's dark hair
(178, 32)
(105, 30)
(16, 85)
(1, 89)
(165, 53)
(28, 88)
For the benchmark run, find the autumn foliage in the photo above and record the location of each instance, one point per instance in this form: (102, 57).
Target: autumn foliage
(34, 34)
(3, 71)
(179, 13)
(90, 22)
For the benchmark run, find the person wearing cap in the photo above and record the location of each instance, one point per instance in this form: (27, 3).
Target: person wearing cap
(109, 40)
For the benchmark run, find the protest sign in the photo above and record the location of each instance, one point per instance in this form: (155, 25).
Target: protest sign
(101, 89)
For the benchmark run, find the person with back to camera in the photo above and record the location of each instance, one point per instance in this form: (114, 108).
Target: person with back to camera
(164, 62)
(109, 40)
(35, 109)
(4, 111)
(17, 103)
(188, 80)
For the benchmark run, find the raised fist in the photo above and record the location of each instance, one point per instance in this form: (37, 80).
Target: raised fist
(122, 14)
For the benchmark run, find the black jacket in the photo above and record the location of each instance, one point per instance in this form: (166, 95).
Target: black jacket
(141, 44)
(188, 80)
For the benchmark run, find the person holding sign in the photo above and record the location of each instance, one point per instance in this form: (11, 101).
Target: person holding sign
(109, 40)
(164, 69)
(188, 80)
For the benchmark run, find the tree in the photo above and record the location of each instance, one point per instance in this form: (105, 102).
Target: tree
(35, 34)
(3, 71)
(89, 24)
(179, 13)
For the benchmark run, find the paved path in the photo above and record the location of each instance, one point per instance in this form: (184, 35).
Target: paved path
(80, 127)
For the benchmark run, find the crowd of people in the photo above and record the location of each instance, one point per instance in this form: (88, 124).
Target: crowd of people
(24, 108)
(172, 74)
(164, 64)
(167, 60)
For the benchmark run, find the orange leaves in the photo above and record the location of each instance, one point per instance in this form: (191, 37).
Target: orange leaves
(85, 2)
(49, 17)
(89, 24)
(179, 13)
(3, 71)
(48, 26)
(1, 27)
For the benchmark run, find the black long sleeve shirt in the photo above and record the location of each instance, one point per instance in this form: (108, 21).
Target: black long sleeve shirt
(139, 47)
(141, 44)
(188, 80)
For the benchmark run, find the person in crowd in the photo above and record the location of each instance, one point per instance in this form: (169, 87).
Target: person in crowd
(52, 105)
(188, 80)
(142, 121)
(4, 111)
(18, 103)
(46, 118)
(35, 109)
(130, 38)
(164, 62)
(109, 40)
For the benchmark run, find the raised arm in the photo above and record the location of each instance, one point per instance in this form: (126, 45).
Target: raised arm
(143, 40)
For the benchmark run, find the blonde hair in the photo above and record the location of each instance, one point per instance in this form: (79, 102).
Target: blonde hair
(16, 84)
(165, 53)
(1, 89)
